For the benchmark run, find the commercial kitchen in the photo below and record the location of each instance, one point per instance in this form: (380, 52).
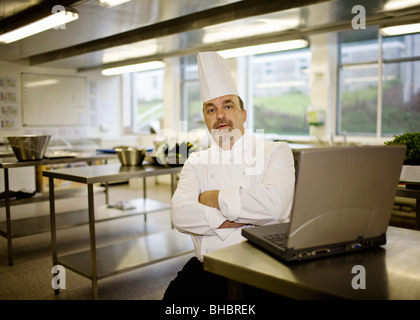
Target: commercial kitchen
(107, 94)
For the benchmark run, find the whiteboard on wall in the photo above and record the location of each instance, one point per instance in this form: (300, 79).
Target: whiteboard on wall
(53, 100)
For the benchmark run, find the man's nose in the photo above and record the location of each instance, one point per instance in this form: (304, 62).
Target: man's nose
(221, 114)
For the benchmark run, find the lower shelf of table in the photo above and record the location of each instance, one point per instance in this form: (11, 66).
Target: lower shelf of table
(129, 255)
(41, 224)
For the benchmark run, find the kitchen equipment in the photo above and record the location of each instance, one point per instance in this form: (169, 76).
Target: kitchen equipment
(130, 156)
(29, 147)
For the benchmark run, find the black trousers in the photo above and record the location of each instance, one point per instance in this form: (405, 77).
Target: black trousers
(194, 283)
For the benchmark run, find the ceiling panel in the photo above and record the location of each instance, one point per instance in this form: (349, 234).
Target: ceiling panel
(107, 36)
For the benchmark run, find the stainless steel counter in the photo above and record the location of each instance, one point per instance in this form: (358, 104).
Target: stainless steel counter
(8, 228)
(98, 263)
(391, 272)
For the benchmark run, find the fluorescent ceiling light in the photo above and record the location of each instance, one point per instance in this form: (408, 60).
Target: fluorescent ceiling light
(133, 68)
(398, 30)
(392, 5)
(264, 48)
(130, 51)
(52, 21)
(111, 3)
(247, 27)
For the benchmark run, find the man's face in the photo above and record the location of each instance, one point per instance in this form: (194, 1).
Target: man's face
(224, 119)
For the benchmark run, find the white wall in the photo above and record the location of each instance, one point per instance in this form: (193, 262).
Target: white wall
(108, 113)
(107, 103)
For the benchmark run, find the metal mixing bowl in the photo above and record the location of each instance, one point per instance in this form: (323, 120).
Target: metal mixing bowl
(29, 147)
(130, 156)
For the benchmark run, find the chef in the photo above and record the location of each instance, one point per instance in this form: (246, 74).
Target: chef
(238, 182)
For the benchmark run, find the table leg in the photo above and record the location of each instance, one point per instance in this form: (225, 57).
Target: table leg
(144, 199)
(92, 240)
(172, 184)
(53, 226)
(8, 219)
(106, 193)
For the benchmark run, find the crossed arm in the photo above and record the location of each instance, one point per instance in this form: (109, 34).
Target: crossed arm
(210, 198)
(211, 211)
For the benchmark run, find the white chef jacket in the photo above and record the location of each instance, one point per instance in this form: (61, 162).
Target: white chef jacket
(255, 180)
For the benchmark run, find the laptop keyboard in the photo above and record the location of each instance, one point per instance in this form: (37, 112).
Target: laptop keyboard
(279, 239)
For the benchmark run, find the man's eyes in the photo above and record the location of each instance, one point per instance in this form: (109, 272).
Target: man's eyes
(212, 110)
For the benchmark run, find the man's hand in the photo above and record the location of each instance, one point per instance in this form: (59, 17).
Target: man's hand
(231, 224)
(210, 198)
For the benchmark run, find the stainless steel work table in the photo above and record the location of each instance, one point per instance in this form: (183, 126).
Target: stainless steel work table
(99, 263)
(11, 229)
(391, 272)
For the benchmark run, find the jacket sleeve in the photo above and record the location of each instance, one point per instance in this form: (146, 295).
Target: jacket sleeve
(269, 201)
(188, 215)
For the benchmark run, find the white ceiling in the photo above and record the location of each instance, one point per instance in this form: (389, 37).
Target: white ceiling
(143, 30)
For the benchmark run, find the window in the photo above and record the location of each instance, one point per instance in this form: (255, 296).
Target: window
(147, 105)
(280, 91)
(191, 106)
(367, 106)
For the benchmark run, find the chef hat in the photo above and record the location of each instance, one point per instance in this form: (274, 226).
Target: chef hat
(215, 77)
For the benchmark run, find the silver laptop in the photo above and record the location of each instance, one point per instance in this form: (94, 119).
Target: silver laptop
(343, 203)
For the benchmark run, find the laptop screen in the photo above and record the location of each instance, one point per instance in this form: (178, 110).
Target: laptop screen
(344, 193)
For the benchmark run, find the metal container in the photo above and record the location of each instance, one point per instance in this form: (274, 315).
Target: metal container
(130, 156)
(29, 147)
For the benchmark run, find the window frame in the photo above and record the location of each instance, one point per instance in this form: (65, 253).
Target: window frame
(380, 62)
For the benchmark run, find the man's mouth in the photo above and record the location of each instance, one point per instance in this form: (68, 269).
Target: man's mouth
(222, 126)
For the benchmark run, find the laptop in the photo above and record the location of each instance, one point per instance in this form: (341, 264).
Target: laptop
(343, 203)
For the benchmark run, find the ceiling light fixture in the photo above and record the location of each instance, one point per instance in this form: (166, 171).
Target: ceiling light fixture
(399, 30)
(264, 48)
(111, 3)
(52, 21)
(133, 68)
(392, 5)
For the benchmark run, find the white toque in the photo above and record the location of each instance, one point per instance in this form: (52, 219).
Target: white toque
(215, 77)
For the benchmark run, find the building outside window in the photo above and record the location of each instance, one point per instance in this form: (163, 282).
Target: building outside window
(280, 91)
(147, 103)
(367, 106)
(191, 106)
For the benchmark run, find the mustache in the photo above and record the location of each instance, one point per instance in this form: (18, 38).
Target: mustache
(217, 124)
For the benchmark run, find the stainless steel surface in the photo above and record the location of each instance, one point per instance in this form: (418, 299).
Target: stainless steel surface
(392, 272)
(109, 173)
(83, 157)
(145, 30)
(6, 164)
(130, 156)
(81, 262)
(29, 147)
(126, 256)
